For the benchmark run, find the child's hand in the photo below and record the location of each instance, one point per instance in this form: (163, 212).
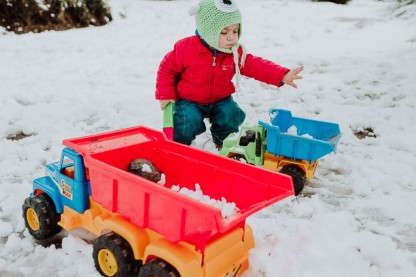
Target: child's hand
(291, 76)
(163, 103)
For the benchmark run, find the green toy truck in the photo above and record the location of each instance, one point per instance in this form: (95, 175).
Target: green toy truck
(290, 145)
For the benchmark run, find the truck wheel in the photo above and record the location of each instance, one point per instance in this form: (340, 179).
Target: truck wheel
(238, 158)
(298, 176)
(41, 218)
(113, 256)
(158, 268)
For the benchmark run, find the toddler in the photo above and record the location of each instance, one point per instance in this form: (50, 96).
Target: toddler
(197, 74)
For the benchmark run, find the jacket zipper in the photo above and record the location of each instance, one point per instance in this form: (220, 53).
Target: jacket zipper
(211, 76)
(215, 57)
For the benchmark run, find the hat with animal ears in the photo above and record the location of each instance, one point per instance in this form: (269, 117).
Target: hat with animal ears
(212, 16)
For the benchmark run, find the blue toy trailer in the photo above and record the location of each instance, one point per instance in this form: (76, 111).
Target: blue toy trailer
(310, 140)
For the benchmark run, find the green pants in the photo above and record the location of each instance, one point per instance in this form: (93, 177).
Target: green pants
(225, 117)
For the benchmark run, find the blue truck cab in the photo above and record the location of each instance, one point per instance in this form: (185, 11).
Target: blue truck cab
(66, 182)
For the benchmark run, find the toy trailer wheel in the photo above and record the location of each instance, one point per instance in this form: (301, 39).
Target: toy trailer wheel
(158, 268)
(298, 176)
(41, 218)
(113, 256)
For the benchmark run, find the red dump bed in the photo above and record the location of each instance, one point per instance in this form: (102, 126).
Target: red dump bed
(173, 215)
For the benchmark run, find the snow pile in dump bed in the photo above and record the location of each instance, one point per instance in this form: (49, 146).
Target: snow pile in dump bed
(162, 179)
(293, 130)
(228, 209)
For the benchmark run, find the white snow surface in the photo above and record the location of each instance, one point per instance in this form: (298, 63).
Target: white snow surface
(356, 217)
(146, 168)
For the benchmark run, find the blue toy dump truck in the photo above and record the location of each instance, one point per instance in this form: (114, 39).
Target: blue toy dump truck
(290, 145)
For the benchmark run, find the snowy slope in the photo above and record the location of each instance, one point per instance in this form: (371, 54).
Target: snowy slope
(357, 217)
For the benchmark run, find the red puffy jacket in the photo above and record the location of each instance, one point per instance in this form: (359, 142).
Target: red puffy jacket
(190, 71)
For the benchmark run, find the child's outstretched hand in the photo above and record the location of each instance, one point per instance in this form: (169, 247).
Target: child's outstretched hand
(291, 76)
(163, 103)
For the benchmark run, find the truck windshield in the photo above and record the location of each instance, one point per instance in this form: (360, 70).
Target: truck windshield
(68, 167)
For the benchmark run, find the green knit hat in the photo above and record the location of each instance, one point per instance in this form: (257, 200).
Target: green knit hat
(212, 16)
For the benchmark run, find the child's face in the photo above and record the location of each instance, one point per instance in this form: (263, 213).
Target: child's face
(229, 36)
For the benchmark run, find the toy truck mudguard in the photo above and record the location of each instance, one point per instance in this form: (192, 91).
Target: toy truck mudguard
(313, 139)
(95, 191)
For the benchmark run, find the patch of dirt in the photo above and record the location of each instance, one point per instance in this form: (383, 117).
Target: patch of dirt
(54, 240)
(364, 133)
(19, 136)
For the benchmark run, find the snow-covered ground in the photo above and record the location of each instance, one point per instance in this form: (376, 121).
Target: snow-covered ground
(356, 218)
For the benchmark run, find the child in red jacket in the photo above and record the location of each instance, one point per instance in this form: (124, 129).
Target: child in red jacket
(197, 74)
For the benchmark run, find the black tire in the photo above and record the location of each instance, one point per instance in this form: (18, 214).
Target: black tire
(238, 158)
(41, 218)
(158, 268)
(113, 256)
(298, 177)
